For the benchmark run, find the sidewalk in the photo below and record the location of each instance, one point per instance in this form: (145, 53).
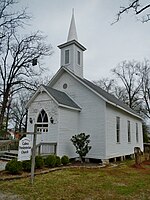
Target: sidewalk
(2, 165)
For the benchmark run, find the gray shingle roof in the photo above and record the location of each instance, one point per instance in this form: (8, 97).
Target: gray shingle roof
(61, 97)
(107, 95)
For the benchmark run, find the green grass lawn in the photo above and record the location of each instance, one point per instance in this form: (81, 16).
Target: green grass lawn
(122, 182)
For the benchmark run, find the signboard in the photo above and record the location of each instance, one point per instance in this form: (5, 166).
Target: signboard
(24, 150)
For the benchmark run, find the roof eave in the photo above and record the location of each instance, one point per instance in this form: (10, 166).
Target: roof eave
(70, 107)
(72, 42)
(125, 110)
(116, 105)
(36, 93)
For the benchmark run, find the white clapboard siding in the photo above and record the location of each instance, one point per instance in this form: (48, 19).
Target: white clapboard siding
(43, 101)
(91, 119)
(114, 149)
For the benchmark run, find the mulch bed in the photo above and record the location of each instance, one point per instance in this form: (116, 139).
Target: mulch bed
(4, 175)
(142, 165)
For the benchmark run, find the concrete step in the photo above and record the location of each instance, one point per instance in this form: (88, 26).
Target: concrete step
(9, 155)
(5, 159)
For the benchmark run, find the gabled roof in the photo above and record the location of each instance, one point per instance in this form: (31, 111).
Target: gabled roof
(109, 98)
(61, 97)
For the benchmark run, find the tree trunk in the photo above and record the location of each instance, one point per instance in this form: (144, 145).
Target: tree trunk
(26, 120)
(3, 110)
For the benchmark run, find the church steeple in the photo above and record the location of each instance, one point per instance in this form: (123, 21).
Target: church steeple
(72, 35)
(72, 51)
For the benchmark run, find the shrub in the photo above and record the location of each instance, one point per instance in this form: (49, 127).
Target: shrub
(26, 165)
(58, 161)
(50, 160)
(14, 167)
(81, 143)
(65, 160)
(39, 162)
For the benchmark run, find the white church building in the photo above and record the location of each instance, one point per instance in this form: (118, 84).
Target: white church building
(71, 104)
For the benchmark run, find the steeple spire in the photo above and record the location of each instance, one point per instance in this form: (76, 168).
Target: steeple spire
(72, 51)
(72, 35)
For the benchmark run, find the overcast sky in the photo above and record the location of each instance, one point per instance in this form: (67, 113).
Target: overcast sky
(106, 44)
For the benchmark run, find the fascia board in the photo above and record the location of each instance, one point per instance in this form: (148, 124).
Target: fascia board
(69, 107)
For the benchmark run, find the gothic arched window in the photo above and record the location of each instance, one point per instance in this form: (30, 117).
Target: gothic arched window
(42, 122)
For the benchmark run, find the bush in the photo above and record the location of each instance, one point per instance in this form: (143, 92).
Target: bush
(14, 167)
(58, 161)
(26, 165)
(81, 142)
(65, 160)
(39, 162)
(50, 161)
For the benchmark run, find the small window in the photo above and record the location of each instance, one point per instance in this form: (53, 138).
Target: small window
(65, 85)
(66, 56)
(118, 129)
(52, 120)
(129, 132)
(137, 133)
(78, 57)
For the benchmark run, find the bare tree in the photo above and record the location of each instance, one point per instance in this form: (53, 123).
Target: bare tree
(132, 86)
(17, 55)
(106, 84)
(18, 110)
(126, 72)
(111, 86)
(16, 69)
(121, 93)
(144, 74)
(139, 8)
(10, 19)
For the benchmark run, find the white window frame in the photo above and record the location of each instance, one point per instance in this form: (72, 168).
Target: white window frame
(67, 59)
(79, 57)
(129, 131)
(118, 129)
(137, 132)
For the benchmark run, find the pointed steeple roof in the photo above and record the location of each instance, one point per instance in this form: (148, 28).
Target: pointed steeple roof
(72, 35)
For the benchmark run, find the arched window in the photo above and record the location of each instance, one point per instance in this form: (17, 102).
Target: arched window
(42, 122)
(42, 117)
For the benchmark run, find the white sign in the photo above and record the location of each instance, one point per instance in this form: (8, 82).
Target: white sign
(24, 150)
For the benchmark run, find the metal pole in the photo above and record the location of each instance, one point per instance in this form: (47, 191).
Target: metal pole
(33, 154)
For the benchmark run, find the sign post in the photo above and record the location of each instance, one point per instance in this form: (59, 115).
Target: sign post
(24, 151)
(33, 154)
